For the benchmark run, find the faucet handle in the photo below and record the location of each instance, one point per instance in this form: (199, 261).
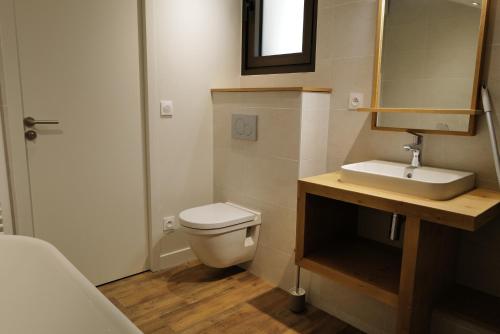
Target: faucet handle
(418, 137)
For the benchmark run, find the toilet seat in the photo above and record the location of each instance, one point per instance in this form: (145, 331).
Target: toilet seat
(215, 216)
(222, 234)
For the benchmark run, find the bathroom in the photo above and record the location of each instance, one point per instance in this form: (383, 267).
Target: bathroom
(145, 93)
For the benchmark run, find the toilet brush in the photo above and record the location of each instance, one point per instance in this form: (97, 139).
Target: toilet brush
(297, 296)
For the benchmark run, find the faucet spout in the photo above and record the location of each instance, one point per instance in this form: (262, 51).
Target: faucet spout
(415, 149)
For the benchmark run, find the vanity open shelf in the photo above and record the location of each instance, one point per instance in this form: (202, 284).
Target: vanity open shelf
(472, 306)
(413, 279)
(368, 266)
(333, 248)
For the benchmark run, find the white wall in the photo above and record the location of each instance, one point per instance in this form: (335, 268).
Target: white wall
(191, 46)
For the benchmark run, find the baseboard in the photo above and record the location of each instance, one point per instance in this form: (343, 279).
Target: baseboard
(176, 258)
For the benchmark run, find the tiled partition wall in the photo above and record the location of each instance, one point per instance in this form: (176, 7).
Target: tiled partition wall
(292, 143)
(262, 175)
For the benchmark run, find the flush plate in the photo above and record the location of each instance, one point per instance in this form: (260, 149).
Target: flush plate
(244, 127)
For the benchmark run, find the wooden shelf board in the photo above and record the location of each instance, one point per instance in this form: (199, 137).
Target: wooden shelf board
(422, 111)
(367, 266)
(467, 212)
(472, 306)
(272, 89)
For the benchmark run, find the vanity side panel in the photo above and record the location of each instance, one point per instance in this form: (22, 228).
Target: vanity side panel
(428, 271)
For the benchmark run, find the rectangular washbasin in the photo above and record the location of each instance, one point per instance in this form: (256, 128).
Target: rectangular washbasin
(427, 182)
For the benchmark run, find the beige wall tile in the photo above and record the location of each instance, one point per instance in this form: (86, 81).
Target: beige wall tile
(312, 167)
(273, 180)
(351, 75)
(367, 314)
(353, 34)
(276, 267)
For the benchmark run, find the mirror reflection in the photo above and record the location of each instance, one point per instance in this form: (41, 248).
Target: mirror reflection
(429, 60)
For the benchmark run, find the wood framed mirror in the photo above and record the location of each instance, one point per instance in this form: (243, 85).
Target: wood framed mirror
(427, 65)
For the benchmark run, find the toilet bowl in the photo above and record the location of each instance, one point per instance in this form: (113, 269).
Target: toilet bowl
(221, 234)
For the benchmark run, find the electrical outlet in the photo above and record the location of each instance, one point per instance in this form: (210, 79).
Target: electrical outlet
(356, 100)
(169, 224)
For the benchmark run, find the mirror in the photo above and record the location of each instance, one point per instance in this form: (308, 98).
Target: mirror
(427, 65)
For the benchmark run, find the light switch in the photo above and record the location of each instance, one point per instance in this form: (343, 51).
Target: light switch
(244, 127)
(166, 108)
(356, 100)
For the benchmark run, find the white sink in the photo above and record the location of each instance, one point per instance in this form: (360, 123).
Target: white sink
(428, 182)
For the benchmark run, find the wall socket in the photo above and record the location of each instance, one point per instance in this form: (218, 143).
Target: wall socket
(356, 100)
(169, 224)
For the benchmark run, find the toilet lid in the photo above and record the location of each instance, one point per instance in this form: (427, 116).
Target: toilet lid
(212, 216)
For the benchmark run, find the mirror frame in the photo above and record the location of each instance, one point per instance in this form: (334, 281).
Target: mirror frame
(375, 99)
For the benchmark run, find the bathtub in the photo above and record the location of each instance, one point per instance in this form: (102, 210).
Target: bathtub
(42, 292)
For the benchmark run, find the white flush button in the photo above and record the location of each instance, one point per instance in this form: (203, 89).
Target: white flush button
(166, 108)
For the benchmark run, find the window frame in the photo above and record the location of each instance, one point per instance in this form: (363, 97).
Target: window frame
(252, 62)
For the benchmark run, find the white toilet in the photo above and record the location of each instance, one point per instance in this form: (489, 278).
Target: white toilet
(221, 234)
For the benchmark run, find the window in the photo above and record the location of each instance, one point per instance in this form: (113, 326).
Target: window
(279, 36)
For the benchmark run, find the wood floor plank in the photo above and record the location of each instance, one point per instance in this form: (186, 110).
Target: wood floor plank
(209, 307)
(193, 298)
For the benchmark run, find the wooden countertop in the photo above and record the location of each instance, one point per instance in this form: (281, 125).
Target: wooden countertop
(273, 89)
(467, 212)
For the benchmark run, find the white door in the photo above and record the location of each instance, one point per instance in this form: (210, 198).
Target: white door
(80, 65)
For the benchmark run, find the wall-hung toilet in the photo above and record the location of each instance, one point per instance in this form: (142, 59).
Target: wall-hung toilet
(221, 234)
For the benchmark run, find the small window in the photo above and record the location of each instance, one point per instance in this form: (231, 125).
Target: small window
(279, 36)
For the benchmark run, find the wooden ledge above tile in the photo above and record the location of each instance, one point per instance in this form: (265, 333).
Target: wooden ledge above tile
(423, 111)
(272, 89)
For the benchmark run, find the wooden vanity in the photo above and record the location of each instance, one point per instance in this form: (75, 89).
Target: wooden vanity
(412, 279)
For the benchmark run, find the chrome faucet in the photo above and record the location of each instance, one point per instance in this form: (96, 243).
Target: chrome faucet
(416, 149)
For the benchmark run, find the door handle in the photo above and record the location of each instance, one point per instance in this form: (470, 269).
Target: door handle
(30, 122)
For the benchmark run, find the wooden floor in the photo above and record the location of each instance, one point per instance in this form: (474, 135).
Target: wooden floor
(196, 299)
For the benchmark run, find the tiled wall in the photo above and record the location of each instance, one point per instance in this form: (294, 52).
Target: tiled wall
(345, 48)
(262, 175)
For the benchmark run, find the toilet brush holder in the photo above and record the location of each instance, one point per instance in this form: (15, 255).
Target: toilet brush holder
(297, 300)
(297, 296)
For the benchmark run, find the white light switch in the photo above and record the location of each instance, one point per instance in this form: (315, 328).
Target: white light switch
(244, 127)
(356, 100)
(166, 108)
